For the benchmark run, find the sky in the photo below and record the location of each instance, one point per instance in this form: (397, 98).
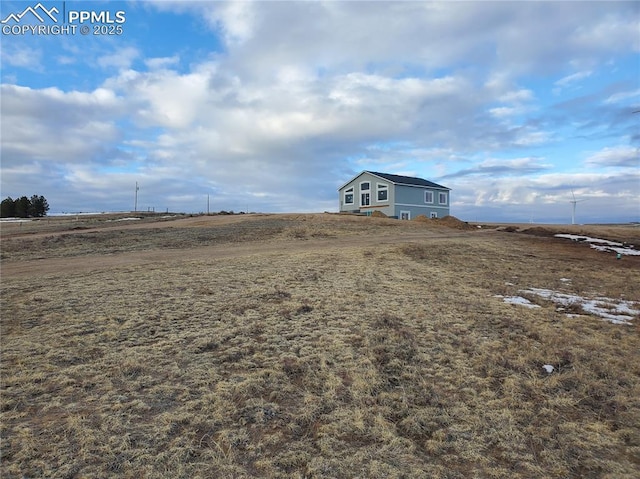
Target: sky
(270, 106)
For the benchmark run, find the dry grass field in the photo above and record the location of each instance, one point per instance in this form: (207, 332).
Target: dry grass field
(313, 346)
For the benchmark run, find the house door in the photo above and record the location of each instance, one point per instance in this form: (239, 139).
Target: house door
(365, 199)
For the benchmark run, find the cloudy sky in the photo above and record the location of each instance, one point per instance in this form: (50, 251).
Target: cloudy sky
(271, 106)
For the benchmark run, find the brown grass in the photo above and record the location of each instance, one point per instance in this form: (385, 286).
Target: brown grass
(331, 347)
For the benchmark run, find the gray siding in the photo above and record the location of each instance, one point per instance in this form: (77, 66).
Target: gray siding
(385, 207)
(412, 199)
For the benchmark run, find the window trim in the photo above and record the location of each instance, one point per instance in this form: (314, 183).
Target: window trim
(382, 187)
(348, 191)
(363, 192)
(408, 212)
(446, 198)
(428, 192)
(433, 215)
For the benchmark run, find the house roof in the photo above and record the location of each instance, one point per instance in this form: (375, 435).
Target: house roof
(401, 180)
(407, 180)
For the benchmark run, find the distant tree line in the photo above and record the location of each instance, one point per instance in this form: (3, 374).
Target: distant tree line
(23, 207)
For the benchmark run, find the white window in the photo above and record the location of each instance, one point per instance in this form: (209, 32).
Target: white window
(428, 196)
(383, 192)
(405, 215)
(365, 193)
(348, 196)
(442, 198)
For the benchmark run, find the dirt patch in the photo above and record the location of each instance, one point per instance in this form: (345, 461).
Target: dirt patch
(539, 231)
(378, 214)
(448, 221)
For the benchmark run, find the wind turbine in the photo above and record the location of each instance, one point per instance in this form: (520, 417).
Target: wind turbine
(573, 204)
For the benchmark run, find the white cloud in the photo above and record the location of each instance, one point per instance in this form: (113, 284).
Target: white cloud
(520, 95)
(335, 35)
(573, 78)
(500, 167)
(622, 96)
(121, 59)
(528, 136)
(161, 62)
(614, 30)
(235, 19)
(52, 125)
(66, 59)
(617, 156)
(22, 56)
(163, 97)
(504, 111)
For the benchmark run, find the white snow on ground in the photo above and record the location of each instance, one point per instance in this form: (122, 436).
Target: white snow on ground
(84, 213)
(617, 311)
(14, 220)
(548, 368)
(519, 300)
(602, 244)
(127, 219)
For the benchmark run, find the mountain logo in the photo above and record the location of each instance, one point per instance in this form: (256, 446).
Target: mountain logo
(39, 11)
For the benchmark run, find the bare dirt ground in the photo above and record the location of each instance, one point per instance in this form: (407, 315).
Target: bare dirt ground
(314, 346)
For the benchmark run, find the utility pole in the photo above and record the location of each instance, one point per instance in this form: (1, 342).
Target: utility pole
(135, 205)
(207, 205)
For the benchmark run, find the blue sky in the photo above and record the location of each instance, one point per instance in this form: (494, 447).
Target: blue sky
(271, 106)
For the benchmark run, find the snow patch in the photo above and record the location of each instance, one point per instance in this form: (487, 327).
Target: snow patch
(603, 244)
(14, 220)
(617, 311)
(548, 368)
(519, 300)
(83, 213)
